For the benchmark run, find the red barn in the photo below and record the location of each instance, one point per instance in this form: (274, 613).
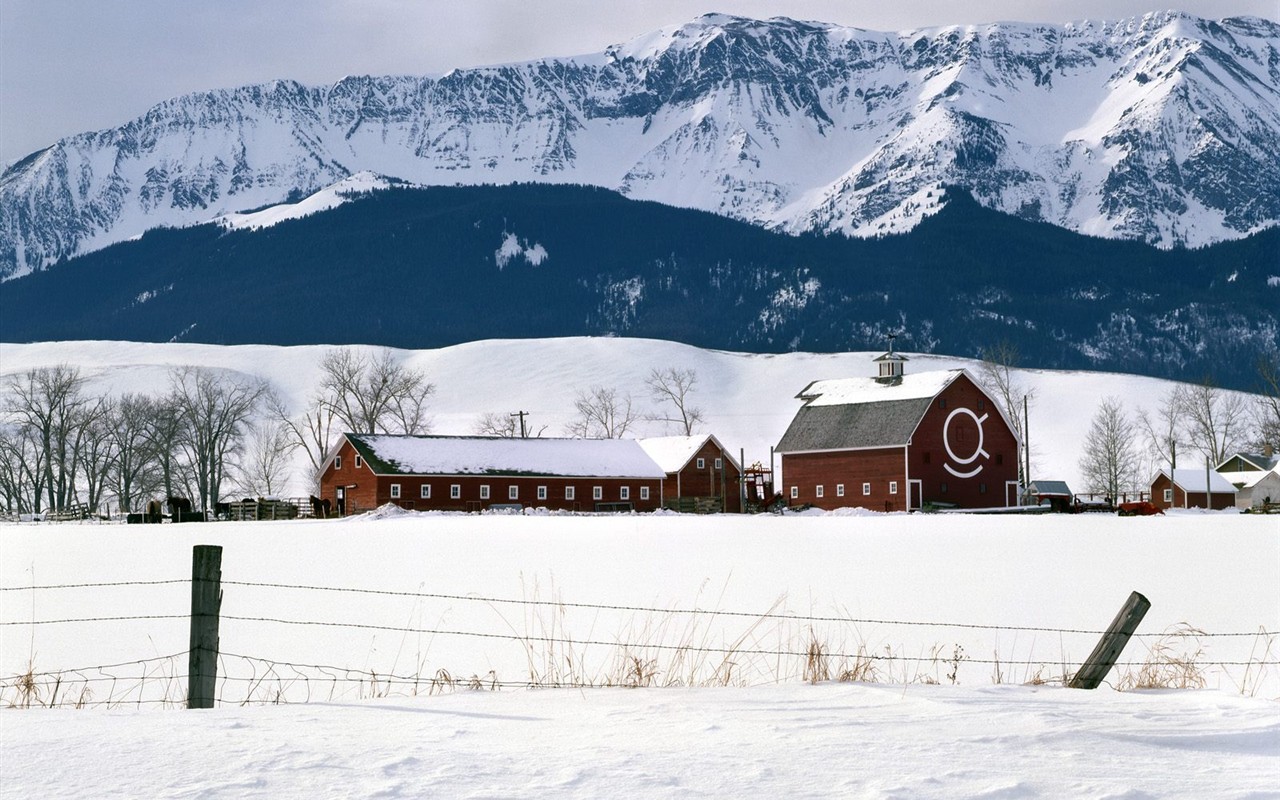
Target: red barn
(701, 475)
(473, 473)
(897, 442)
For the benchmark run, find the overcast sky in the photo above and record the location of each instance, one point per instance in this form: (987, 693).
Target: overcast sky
(73, 65)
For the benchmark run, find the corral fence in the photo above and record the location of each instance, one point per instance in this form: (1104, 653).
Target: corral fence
(206, 675)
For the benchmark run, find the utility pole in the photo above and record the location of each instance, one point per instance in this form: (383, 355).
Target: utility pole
(522, 415)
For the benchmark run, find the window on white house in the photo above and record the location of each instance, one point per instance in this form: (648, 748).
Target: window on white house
(337, 462)
(702, 463)
(644, 492)
(597, 492)
(624, 493)
(358, 462)
(893, 487)
(569, 493)
(484, 491)
(455, 491)
(866, 489)
(542, 493)
(795, 492)
(819, 491)
(424, 491)
(839, 490)
(395, 490)
(513, 492)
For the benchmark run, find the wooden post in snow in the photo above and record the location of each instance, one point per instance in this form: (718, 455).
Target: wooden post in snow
(206, 600)
(1107, 652)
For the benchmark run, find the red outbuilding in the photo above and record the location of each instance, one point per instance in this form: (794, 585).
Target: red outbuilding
(701, 475)
(474, 473)
(899, 442)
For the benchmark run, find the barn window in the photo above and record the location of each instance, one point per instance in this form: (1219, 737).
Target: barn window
(569, 493)
(795, 492)
(944, 488)
(395, 490)
(484, 491)
(358, 462)
(893, 487)
(702, 463)
(1168, 495)
(625, 493)
(839, 490)
(982, 488)
(819, 490)
(337, 462)
(981, 404)
(597, 492)
(866, 489)
(455, 491)
(644, 492)
(424, 491)
(942, 402)
(719, 463)
(542, 493)
(513, 492)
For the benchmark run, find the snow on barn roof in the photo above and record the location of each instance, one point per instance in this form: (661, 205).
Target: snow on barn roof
(672, 453)
(849, 413)
(1191, 479)
(848, 391)
(484, 455)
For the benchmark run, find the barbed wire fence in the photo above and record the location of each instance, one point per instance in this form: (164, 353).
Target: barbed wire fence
(802, 649)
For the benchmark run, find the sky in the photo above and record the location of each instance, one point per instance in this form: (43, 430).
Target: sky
(68, 66)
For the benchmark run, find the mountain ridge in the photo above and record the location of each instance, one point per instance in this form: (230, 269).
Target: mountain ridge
(1164, 128)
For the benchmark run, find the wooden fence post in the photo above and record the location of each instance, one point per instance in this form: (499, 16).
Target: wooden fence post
(1108, 650)
(206, 600)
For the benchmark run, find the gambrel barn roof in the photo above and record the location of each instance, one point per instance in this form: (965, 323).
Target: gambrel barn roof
(487, 455)
(673, 453)
(856, 413)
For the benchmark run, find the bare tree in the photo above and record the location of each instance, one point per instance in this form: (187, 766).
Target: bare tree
(264, 467)
(21, 470)
(373, 394)
(670, 388)
(130, 425)
(164, 432)
(507, 426)
(602, 414)
(1214, 419)
(214, 411)
(313, 431)
(1266, 409)
(98, 455)
(52, 405)
(1111, 463)
(996, 374)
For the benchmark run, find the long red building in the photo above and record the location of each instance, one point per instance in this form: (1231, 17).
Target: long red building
(897, 442)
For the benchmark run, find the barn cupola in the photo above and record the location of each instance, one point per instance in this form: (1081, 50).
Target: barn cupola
(890, 365)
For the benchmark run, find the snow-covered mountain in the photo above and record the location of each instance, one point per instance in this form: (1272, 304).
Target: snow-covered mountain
(1163, 128)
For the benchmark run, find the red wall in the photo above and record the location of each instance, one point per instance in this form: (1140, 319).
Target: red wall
(708, 481)
(372, 490)
(852, 468)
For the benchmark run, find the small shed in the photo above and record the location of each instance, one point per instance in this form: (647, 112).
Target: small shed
(1057, 494)
(701, 474)
(1186, 488)
(1255, 488)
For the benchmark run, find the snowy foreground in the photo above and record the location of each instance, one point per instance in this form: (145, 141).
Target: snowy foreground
(958, 698)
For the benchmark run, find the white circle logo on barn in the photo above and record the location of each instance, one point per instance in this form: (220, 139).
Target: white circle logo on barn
(978, 451)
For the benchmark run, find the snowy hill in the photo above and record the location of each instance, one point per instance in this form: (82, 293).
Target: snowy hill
(1163, 129)
(748, 399)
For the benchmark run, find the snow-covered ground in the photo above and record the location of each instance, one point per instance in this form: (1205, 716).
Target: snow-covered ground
(958, 625)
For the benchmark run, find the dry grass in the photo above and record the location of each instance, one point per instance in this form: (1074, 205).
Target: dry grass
(1173, 662)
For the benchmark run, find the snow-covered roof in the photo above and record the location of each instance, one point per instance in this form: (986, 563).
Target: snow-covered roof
(483, 455)
(1191, 479)
(848, 391)
(1251, 478)
(1047, 488)
(672, 453)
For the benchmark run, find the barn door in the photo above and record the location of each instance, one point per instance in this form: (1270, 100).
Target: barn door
(915, 488)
